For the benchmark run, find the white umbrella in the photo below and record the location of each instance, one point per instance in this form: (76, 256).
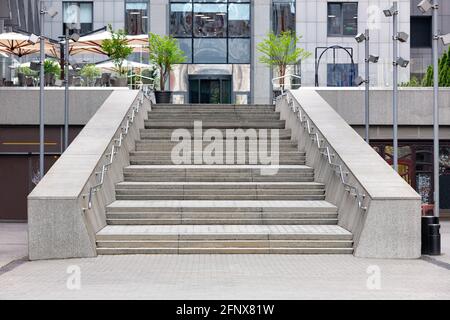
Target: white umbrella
(92, 43)
(109, 65)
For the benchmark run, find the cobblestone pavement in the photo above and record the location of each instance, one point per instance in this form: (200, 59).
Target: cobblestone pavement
(231, 277)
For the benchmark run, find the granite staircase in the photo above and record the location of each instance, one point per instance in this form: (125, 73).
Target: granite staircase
(166, 208)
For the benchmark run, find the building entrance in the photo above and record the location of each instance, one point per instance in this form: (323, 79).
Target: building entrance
(215, 89)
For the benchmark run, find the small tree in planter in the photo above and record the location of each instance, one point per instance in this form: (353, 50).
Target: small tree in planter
(164, 52)
(118, 50)
(90, 72)
(52, 70)
(280, 51)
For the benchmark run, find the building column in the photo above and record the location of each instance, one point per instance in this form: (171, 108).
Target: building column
(159, 17)
(261, 74)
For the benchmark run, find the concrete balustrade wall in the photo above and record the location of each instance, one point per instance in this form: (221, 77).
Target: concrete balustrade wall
(390, 227)
(20, 106)
(59, 225)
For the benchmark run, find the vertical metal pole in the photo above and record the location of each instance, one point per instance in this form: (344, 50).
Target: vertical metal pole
(436, 109)
(395, 85)
(41, 93)
(66, 91)
(367, 118)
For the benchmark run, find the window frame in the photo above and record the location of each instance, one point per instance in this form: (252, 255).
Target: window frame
(341, 19)
(275, 2)
(78, 3)
(226, 37)
(125, 15)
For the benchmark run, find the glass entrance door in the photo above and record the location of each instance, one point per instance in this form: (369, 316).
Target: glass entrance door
(210, 89)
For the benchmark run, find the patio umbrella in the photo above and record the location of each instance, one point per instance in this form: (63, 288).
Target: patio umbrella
(18, 44)
(92, 43)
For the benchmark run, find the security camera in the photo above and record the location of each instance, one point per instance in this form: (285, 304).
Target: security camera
(373, 59)
(33, 39)
(402, 36)
(360, 37)
(402, 62)
(75, 37)
(390, 12)
(359, 81)
(424, 6)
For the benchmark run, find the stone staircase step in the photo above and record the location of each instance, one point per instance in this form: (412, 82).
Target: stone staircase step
(168, 124)
(225, 244)
(133, 251)
(224, 232)
(177, 206)
(215, 173)
(166, 134)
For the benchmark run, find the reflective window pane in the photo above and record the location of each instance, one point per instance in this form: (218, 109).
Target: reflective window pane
(210, 20)
(239, 20)
(334, 19)
(77, 16)
(342, 19)
(210, 51)
(186, 46)
(239, 51)
(283, 16)
(350, 19)
(136, 17)
(181, 19)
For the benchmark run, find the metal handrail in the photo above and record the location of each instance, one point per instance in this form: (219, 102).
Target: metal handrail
(117, 143)
(325, 150)
(284, 77)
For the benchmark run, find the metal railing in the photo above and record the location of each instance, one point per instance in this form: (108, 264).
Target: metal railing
(325, 150)
(290, 76)
(116, 144)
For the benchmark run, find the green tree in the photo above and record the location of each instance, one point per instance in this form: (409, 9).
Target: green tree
(444, 72)
(90, 72)
(164, 52)
(280, 51)
(117, 48)
(52, 67)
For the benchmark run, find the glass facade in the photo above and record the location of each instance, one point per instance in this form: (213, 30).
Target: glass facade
(415, 164)
(342, 19)
(77, 16)
(283, 15)
(341, 74)
(136, 16)
(212, 32)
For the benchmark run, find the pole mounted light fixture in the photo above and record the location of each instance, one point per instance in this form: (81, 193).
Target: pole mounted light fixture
(364, 37)
(52, 13)
(402, 36)
(401, 62)
(425, 6)
(392, 11)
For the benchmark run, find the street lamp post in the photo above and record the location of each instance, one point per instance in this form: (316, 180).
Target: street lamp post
(425, 6)
(359, 80)
(74, 37)
(42, 12)
(41, 92)
(397, 61)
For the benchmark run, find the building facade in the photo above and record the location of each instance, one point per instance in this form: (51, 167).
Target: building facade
(220, 39)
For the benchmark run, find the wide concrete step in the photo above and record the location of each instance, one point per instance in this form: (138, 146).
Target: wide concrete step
(165, 158)
(254, 145)
(217, 239)
(216, 173)
(213, 116)
(217, 191)
(213, 108)
(168, 124)
(166, 134)
(223, 232)
(229, 250)
(277, 208)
